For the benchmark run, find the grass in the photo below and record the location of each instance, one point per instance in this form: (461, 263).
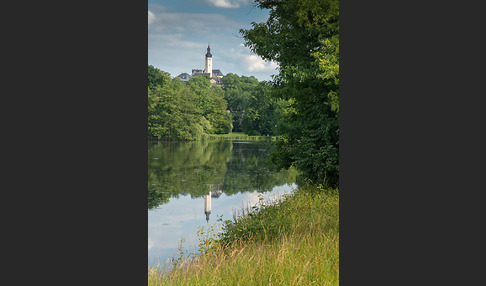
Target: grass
(238, 135)
(292, 242)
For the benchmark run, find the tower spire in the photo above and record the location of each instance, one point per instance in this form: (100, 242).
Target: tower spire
(208, 54)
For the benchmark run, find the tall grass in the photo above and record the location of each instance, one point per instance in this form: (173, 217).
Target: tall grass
(292, 242)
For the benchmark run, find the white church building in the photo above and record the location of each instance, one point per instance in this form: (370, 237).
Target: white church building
(214, 75)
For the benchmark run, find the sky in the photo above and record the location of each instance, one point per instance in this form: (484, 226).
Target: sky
(179, 32)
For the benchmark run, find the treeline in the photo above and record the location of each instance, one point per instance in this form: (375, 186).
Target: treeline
(254, 111)
(192, 110)
(184, 111)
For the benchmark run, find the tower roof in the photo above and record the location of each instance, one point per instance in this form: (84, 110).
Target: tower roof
(208, 54)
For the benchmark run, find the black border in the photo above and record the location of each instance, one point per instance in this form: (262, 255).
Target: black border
(411, 124)
(411, 141)
(80, 109)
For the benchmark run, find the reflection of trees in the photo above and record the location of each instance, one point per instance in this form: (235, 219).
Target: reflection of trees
(248, 171)
(156, 198)
(177, 167)
(192, 167)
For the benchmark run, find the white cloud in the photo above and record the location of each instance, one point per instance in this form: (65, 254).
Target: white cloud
(255, 63)
(151, 17)
(250, 62)
(226, 3)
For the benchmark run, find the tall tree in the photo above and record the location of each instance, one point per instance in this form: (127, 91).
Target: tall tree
(262, 112)
(174, 113)
(237, 92)
(212, 105)
(302, 36)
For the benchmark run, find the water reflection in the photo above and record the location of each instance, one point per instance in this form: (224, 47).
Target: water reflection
(207, 206)
(207, 201)
(178, 168)
(192, 183)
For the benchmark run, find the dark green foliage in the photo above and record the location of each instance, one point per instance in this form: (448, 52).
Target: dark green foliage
(303, 37)
(253, 110)
(263, 111)
(237, 92)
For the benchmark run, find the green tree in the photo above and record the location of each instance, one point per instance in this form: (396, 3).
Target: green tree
(157, 77)
(212, 105)
(219, 116)
(237, 92)
(302, 36)
(184, 111)
(262, 112)
(173, 113)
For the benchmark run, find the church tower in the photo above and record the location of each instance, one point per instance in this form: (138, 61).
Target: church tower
(208, 68)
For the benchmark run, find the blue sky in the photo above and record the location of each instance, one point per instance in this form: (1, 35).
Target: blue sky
(179, 32)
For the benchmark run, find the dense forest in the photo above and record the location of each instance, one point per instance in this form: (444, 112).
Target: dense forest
(300, 105)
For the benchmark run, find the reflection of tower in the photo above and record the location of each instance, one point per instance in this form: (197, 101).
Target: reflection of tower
(207, 206)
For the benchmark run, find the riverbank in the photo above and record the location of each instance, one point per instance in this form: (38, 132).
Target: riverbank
(293, 242)
(239, 136)
(229, 136)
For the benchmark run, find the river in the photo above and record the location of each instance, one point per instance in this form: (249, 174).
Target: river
(193, 184)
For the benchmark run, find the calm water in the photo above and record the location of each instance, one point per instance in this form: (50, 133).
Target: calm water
(193, 184)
